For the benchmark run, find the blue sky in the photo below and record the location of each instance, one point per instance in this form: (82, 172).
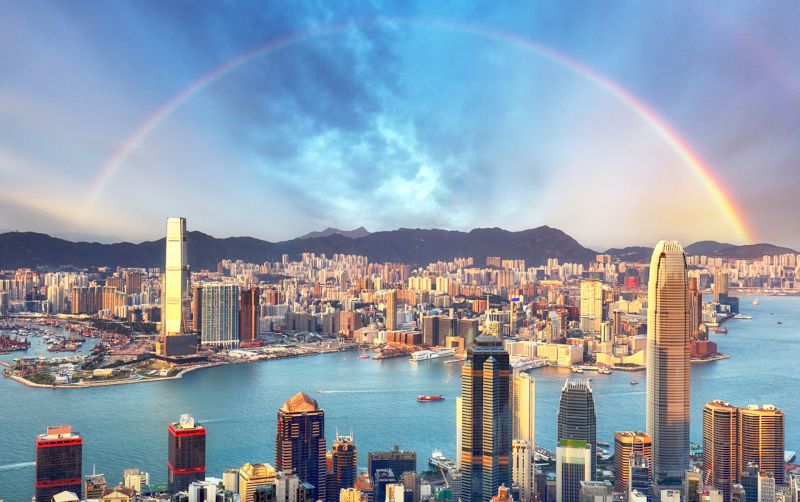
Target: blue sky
(399, 115)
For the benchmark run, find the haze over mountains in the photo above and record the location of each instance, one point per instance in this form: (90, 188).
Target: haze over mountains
(414, 246)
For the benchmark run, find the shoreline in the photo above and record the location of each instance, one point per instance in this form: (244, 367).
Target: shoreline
(178, 376)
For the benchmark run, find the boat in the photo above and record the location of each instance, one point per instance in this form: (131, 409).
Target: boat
(440, 461)
(603, 443)
(425, 399)
(742, 316)
(755, 301)
(780, 322)
(364, 356)
(634, 382)
(422, 355)
(604, 371)
(576, 369)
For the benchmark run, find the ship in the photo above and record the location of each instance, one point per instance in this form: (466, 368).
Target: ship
(364, 356)
(634, 382)
(576, 369)
(742, 316)
(604, 371)
(422, 355)
(438, 460)
(525, 364)
(755, 301)
(425, 399)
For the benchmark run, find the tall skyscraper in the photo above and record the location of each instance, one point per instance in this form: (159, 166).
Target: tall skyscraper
(524, 402)
(220, 314)
(486, 420)
(300, 441)
(344, 463)
(391, 310)
(761, 439)
(667, 407)
(175, 279)
(573, 465)
(522, 469)
(591, 305)
(626, 443)
(197, 308)
(577, 419)
(721, 446)
(187, 453)
(59, 455)
(249, 314)
(695, 307)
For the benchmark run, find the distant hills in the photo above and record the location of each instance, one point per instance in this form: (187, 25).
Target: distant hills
(413, 246)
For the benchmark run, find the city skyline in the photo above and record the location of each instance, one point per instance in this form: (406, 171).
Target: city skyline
(401, 116)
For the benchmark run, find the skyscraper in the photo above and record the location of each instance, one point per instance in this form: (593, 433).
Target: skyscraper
(524, 402)
(626, 443)
(187, 453)
(522, 469)
(249, 314)
(721, 446)
(573, 465)
(300, 441)
(485, 420)
(761, 439)
(667, 407)
(591, 305)
(220, 314)
(59, 455)
(577, 419)
(344, 459)
(175, 279)
(391, 310)
(397, 460)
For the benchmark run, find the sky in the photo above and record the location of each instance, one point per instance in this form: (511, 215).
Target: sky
(620, 123)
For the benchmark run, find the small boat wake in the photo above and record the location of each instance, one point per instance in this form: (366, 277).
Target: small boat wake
(18, 465)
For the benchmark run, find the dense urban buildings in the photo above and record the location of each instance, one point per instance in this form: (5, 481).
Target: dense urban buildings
(300, 441)
(59, 457)
(626, 445)
(668, 360)
(486, 420)
(577, 419)
(187, 453)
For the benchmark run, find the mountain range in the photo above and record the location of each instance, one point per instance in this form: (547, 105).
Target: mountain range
(414, 246)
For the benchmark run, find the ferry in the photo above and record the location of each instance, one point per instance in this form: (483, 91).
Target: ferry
(364, 356)
(425, 399)
(755, 301)
(634, 382)
(422, 355)
(604, 371)
(440, 461)
(526, 364)
(742, 316)
(576, 369)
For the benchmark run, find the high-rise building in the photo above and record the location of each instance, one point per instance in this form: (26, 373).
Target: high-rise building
(220, 315)
(749, 477)
(626, 443)
(94, 486)
(59, 455)
(252, 477)
(766, 487)
(300, 441)
(397, 460)
(595, 491)
(591, 305)
(573, 465)
(187, 453)
(524, 402)
(695, 307)
(133, 282)
(352, 495)
(197, 308)
(391, 310)
(249, 314)
(522, 469)
(576, 417)
(722, 283)
(667, 407)
(692, 484)
(761, 439)
(721, 446)
(640, 477)
(344, 457)
(175, 279)
(485, 420)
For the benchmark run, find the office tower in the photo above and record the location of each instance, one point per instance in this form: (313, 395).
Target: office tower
(573, 465)
(766, 487)
(252, 477)
(249, 314)
(197, 308)
(721, 446)
(721, 286)
(58, 463)
(411, 481)
(220, 314)
(459, 430)
(391, 310)
(397, 460)
(749, 477)
(230, 480)
(576, 417)
(485, 420)
(468, 330)
(430, 331)
(595, 491)
(695, 307)
(344, 460)
(133, 282)
(300, 441)
(383, 478)
(761, 439)
(524, 402)
(667, 407)
(591, 305)
(626, 443)
(175, 278)
(640, 477)
(187, 453)
(522, 469)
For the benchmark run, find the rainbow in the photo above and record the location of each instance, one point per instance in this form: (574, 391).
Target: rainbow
(702, 171)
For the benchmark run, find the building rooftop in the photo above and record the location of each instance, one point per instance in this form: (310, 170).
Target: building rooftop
(300, 402)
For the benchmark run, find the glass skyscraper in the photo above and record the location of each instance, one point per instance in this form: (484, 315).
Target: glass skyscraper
(576, 417)
(667, 407)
